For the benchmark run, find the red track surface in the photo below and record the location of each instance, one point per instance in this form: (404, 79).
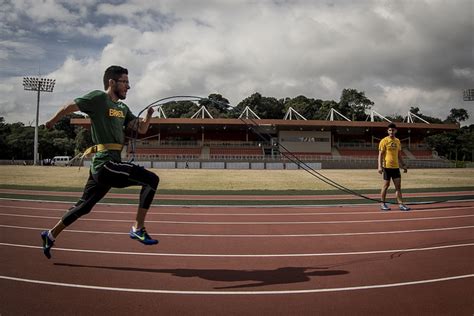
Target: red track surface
(233, 197)
(241, 261)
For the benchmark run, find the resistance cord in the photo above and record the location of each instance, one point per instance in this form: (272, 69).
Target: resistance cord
(266, 137)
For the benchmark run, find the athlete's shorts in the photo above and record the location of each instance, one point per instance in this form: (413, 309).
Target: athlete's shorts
(391, 173)
(113, 175)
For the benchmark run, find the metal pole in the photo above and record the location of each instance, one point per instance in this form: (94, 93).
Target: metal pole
(35, 157)
(37, 84)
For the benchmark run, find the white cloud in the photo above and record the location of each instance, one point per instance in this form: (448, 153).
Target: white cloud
(329, 84)
(46, 10)
(20, 49)
(399, 53)
(464, 72)
(399, 99)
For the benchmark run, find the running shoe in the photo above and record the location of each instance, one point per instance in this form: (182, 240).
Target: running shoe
(384, 207)
(47, 244)
(142, 236)
(403, 207)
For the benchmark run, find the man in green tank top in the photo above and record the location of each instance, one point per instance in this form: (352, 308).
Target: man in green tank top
(109, 118)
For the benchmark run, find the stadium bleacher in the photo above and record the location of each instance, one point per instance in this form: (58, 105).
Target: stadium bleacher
(365, 153)
(307, 156)
(422, 154)
(169, 153)
(236, 152)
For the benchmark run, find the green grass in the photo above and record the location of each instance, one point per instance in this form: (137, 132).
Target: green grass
(240, 181)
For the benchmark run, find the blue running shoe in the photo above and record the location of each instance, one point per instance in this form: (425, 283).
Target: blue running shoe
(142, 236)
(47, 244)
(384, 207)
(403, 207)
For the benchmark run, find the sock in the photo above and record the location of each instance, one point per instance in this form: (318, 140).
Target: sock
(50, 236)
(135, 229)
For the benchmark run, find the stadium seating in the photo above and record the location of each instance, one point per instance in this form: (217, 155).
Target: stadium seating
(361, 153)
(169, 153)
(306, 155)
(422, 154)
(236, 152)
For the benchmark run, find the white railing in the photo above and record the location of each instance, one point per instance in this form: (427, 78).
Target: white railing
(195, 143)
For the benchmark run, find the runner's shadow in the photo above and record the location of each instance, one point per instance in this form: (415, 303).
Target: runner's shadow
(256, 278)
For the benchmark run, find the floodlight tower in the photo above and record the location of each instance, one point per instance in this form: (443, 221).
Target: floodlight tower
(39, 85)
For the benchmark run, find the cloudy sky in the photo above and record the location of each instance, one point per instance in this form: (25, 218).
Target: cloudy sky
(401, 53)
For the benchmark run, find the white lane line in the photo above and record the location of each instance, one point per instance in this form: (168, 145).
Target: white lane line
(255, 235)
(237, 205)
(353, 253)
(254, 223)
(187, 292)
(377, 211)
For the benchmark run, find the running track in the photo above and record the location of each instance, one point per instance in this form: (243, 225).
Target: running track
(319, 260)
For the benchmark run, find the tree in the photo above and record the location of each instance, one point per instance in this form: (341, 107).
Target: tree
(465, 140)
(353, 104)
(395, 118)
(54, 143)
(64, 145)
(83, 140)
(64, 124)
(176, 109)
(20, 141)
(443, 143)
(217, 105)
(457, 116)
(308, 108)
(264, 107)
(454, 145)
(5, 151)
(416, 111)
(326, 106)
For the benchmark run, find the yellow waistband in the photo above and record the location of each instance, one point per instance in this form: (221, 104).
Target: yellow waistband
(102, 147)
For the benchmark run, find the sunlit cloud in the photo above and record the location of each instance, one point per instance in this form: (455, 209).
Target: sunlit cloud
(402, 54)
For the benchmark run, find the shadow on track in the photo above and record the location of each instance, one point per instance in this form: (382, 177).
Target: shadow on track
(285, 275)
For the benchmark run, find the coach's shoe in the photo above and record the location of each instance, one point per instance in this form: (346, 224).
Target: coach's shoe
(403, 207)
(142, 236)
(48, 243)
(384, 207)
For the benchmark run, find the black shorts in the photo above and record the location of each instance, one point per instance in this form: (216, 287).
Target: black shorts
(391, 173)
(113, 175)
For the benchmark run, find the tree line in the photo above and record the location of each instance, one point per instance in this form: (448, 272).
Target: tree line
(16, 139)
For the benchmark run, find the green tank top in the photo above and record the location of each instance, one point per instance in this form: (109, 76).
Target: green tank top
(108, 122)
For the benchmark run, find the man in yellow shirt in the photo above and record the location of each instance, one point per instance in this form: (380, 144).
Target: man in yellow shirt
(390, 154)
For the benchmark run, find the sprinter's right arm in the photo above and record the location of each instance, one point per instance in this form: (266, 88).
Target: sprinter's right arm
(63, 111)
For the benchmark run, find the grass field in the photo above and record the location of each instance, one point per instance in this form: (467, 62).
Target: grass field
(242, 180)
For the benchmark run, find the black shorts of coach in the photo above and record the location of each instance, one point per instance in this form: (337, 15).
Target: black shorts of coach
(391, 173)
(113, 175)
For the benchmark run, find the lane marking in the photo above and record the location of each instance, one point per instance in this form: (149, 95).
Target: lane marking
(254, 235)
(242, 214)
(233, 206)
(353, 253)
(253, 223)
(227, 197)
(187, 292)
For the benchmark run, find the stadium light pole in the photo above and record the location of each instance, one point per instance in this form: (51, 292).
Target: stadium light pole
(39, 85)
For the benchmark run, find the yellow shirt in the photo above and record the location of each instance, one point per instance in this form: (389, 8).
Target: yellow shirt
(390, 148)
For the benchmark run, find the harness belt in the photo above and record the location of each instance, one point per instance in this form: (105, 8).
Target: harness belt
(101, 147)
